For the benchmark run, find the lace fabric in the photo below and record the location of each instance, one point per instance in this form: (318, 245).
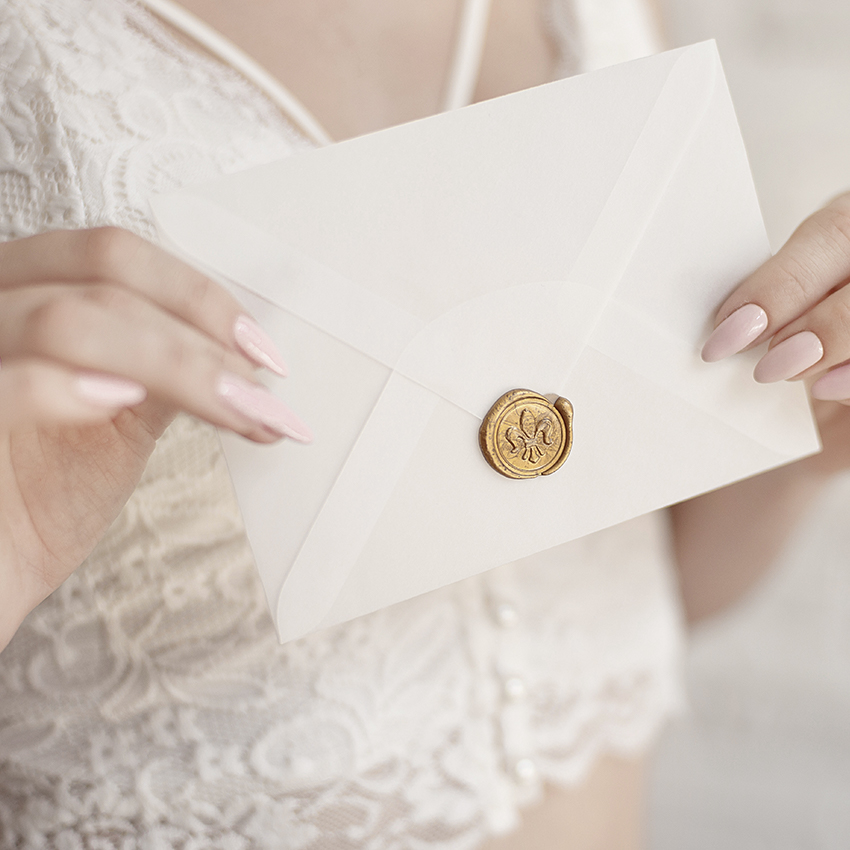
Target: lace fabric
(147, 703)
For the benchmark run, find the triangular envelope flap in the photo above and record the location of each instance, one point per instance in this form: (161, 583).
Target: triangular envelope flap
(624, 437)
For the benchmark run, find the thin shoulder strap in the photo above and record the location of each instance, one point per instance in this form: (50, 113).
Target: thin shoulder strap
(229, 53)
(469, 48)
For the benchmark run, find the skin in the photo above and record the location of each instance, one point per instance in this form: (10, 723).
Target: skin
(104, 301)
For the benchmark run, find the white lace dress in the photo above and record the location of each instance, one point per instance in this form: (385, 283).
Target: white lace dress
(146, 703)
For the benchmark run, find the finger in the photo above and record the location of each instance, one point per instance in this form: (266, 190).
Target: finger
(812, 344)
(35, 393)
(115, 256)
(109, 329)
(814, 261)
(156, 416)
(833, 386)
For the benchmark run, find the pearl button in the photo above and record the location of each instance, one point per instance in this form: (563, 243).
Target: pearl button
(525, 771)
(514, 689)
(506, 615)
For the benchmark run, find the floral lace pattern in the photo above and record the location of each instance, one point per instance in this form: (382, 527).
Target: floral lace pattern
(147, 703)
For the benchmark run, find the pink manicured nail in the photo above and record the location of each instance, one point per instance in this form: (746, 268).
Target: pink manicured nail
(259, 405)
(106, 391)
(789, 358)
(834, 385)
(735, 333)
(257, 344)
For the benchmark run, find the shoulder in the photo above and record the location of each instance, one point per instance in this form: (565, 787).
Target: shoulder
(37, 188)
(60, 23)
(65, 66)
(78, 39)
(101, 105)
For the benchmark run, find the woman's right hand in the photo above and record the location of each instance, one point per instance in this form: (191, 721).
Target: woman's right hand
(103, 339)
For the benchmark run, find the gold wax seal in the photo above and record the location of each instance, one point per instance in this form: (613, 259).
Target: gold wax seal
(525, 435)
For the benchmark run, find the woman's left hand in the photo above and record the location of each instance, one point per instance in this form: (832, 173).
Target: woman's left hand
(800, 301)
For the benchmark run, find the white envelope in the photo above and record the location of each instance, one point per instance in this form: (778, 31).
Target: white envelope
(574, 238)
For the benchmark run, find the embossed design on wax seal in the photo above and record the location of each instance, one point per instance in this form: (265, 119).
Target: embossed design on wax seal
(525, 435)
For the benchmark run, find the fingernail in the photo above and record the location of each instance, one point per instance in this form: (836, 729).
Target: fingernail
(735, 333)
(789, 358)
(257, 344)
(834, 385)
(106, 391)
(259, 405)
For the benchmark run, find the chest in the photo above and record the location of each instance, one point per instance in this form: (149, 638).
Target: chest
(360, 65)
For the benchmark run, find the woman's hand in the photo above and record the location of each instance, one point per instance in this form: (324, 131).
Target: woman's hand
(800, 301)
(103, 338)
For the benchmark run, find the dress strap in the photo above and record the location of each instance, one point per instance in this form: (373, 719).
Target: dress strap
(229, 53)
(469, 48)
